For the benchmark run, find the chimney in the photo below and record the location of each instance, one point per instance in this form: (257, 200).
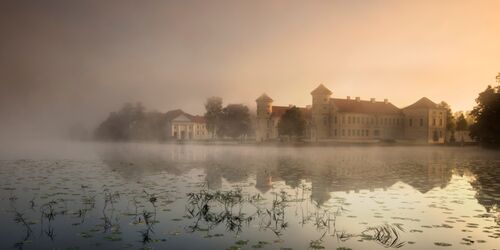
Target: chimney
(348, 98)
(290, 105)
(372, 100)
(358, 99)
(386, 101)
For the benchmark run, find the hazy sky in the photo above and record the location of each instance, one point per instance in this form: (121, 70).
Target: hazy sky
(74, 61)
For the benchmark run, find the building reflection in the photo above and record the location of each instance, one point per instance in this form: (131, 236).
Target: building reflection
(327, 171)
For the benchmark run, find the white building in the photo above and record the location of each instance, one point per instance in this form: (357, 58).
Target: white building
(183, 126)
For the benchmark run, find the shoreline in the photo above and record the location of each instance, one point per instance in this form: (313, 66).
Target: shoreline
(302, 143)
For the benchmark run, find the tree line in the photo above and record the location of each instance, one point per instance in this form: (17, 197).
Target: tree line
(483, 122)
(232, 121)
(132, 122)
(486, 117)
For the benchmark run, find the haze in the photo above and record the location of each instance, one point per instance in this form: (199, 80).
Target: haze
(66, 62)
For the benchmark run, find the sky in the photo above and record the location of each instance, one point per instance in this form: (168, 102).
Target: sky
(68, 62)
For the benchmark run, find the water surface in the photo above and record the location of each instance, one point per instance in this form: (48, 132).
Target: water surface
(153, 196)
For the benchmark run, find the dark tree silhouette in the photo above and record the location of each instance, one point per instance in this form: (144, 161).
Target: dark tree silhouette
(450, 120)
(235, 121)
(132, 122)
(461, 123)
(292, 123)
(213, 114)
(486, 127)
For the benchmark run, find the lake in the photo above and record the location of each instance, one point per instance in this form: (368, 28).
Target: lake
(155, 196)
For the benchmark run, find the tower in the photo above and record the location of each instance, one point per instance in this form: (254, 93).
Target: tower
(264, 110)
(320, 112)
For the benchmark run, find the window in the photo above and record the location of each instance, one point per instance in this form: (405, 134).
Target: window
(348, 120)
(433, 121)
(343, 132)
(410, 122)
(357, 119)
(357, 132)
(335, 132)
(335, 119)
(343, 120)
(362, 133)
(348, 132)
(421, 122)
(440, 122)
(367, 133)
(325, 120)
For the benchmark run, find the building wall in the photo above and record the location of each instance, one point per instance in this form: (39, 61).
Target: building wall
(367, 126)
(182, 130)
(437, 125)
(327, 123)
(264, 124)
(321, 116)
(422, 124)
(416, 121)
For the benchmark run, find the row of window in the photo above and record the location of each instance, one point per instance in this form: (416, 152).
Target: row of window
(421, 122)
(366, 120)
(357, 132)
(189, 127)
(198, 133)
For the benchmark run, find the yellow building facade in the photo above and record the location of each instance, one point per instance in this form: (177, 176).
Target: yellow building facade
(353, 119)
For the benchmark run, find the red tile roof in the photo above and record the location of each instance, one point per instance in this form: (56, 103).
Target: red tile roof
(321, 89)
(172, 114)
(278, 111)
(423, 103)
(367, 107)
(264, 97)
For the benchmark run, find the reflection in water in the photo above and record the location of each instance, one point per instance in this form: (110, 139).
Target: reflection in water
(187, 197)
(340, 170)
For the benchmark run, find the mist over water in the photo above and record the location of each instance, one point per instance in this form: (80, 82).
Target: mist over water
(139, 195)
(67, 63)
(65, 66)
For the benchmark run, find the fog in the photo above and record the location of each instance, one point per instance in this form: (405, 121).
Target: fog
(72, 62)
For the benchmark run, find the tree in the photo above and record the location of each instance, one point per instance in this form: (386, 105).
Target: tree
(292, 123)
(461, 123)
(486, 126)
(132, 122)
(213, 114)
(450, 120)
(235, 121)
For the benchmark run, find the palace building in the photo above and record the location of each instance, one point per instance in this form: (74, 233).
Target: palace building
(353, 119)
(183, 126)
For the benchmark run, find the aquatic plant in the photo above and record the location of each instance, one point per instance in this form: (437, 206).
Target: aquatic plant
(20, 219)
(387, 235)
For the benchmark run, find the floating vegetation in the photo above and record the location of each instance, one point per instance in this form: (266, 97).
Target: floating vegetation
(387, 235)
(258, 202)
(442, 244)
